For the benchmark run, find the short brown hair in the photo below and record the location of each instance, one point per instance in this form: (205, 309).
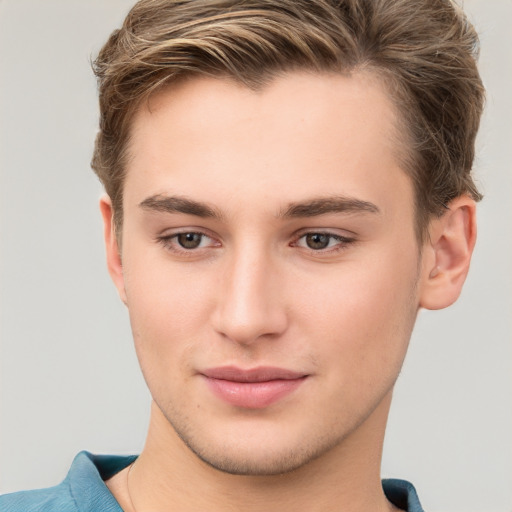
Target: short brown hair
(424, 51)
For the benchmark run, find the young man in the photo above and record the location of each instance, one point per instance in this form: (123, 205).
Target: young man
(287, 182)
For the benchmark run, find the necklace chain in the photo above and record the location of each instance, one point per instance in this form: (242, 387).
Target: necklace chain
(128, 487)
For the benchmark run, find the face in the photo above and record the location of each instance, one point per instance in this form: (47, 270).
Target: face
(269, 264)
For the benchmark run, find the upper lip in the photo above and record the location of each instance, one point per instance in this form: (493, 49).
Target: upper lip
(259, 374)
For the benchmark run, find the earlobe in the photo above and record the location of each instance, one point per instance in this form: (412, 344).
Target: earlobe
(113, 253)
(447, 254)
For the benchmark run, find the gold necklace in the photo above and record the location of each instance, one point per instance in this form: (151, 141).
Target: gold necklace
(128, 487)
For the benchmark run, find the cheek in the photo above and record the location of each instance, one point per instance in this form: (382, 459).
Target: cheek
(167, 318)
(365, 316)
(168, 309)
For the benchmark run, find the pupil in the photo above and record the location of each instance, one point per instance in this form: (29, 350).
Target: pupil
(317, 241)
(189, 240)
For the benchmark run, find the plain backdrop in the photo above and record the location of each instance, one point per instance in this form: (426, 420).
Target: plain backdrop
(69, 377)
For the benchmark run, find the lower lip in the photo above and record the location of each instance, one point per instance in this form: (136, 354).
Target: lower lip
(253, 395)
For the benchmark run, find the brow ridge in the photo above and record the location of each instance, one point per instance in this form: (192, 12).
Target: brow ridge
(312, 208)
(179, 204)
(323, 206)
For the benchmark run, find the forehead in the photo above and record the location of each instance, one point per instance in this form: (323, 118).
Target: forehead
(303, 134)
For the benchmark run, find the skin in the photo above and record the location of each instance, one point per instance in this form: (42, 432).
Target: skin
(261, 179)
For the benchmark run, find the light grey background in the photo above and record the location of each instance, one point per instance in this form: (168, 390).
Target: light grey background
(69, 378)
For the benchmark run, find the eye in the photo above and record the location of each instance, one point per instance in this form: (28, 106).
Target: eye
(318, 241)
(187, 242)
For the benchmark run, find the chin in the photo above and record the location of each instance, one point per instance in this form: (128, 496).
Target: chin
(259, 463)
(256, 453)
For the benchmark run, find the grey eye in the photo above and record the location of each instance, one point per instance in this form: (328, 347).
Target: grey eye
(189, 240)
(317, 240)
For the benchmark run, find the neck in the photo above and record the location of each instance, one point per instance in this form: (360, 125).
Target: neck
(168, 476)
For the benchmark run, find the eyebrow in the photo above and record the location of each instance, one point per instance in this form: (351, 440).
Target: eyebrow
(312, 208)
(323, 206)
(179, 204)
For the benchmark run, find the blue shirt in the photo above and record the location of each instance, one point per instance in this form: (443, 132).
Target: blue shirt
(84, 490)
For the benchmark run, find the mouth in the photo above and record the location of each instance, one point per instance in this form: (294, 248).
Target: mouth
(254, 388)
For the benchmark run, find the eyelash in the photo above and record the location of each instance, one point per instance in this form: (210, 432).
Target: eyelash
(342, 242)
(171, 244)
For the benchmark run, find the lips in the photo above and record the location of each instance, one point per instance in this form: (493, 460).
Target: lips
(254, 388)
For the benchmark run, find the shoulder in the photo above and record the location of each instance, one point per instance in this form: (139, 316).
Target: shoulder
(83, 489)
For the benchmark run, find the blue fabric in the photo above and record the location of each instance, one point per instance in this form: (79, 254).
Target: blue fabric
(402, 494)
(83, 490)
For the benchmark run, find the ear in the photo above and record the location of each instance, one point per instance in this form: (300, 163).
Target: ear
(447, 254)
(114, 262)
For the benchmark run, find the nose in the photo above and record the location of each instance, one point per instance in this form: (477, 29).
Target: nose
(251, 303)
